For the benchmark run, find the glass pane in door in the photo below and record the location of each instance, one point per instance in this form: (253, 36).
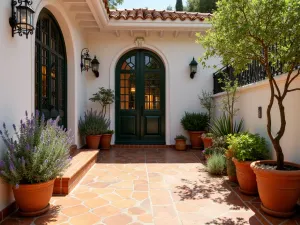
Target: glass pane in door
(152, 91)
(127, 91)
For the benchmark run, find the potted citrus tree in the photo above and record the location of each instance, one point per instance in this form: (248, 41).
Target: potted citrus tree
(246, 148)
(34, 157)
(92, 126)
(105, 142)
(180, 142)
(196, 124)
(268, 33)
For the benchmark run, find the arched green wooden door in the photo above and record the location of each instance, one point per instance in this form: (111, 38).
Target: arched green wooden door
(140, 99)
(50, 69)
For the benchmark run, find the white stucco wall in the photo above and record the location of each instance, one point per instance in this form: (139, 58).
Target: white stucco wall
(17, 72)
(176, 53)
(253, 96)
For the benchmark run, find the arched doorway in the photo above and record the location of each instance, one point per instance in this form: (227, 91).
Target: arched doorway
(140, 98)
(50, 69)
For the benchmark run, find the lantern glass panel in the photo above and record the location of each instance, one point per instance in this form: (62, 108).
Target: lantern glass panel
(87, 62)
(24, 18)
(95, 67)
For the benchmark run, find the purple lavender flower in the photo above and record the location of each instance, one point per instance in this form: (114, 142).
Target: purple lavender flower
(21, 122)
(4, 125)
(14, 126)
(23, 162)
(12, 167)
(26, 113)
(28, 147)
(1, 132)
(37, 113)
(2, 163)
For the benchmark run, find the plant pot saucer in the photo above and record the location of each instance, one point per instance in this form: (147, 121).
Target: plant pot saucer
(247, 192)
(278, 214)
(36, 213)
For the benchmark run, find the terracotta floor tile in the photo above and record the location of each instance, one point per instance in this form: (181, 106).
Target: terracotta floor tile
(124, 204)
(67, 202)
(140, 195)
(164, 221)
(167, 212)
(120, 219)
(106, 211)
(146, 218)
(136, 211)
(96, 202)
(75, 210)
(160, 197)
(84, 219)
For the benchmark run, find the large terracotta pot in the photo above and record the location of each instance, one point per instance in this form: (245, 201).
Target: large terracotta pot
(246, 177)
(196, 142)
(33, 199)
(278, 190)
(180, 144)
(207, 142)
(105, 141)
(93, 141)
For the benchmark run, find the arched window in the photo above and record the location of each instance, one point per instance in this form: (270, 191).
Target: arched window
(50, 69)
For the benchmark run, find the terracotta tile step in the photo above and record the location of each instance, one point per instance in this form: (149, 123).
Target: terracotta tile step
(81, 162)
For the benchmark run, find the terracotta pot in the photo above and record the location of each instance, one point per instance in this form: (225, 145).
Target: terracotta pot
(207, 142)
(33, 199)
(93, 141)
(180, 144)
(246, 177)
(207, 156)
(196, 142)
(105, 141)
(279, 190)
(233, 179)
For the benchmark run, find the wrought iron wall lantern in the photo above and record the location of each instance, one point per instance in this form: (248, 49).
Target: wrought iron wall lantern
(87, 63)
(193, 68)
(21, 20)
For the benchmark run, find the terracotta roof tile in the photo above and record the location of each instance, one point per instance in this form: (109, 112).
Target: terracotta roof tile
(147, 14)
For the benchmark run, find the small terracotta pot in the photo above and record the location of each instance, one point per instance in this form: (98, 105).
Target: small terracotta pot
(105, 141)
(279, 190)
(180, 144)
(246, 177)
(93, 141)
(33, 199)
(207, 142)
(196, 142)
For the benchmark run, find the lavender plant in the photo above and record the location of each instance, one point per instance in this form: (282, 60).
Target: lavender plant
(39, 152)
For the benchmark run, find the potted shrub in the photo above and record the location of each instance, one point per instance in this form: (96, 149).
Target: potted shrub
(255, 32)
(207, 139)
(35, 156)
(180, 142)
(92, 126)
(106, 139)
(247, 148)
(219, 146)
(105, 97)
(216, 164)
(195, 124)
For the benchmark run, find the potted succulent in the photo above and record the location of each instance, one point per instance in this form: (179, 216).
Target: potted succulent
(92, 126)
(106, 139)
(207, 139)
(247, 148)
(195, 124)
(35, 156)
(180, 142)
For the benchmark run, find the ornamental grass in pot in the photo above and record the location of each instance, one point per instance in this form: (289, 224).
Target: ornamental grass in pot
(195, 124)
(36, 155)
(180, 142)
(106, 139)
(92, 126)
(246, 148)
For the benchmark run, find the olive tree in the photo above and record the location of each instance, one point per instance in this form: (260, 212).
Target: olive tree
(268, 32)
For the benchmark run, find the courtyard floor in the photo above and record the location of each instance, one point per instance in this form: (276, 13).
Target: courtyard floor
(153, 186)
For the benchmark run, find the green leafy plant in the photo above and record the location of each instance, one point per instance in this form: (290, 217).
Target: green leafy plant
(37, 153)
(216, 164)
(231, 169)
(105, 97)
(180, 137)
(222, 126)
(195, 121)
(266, 32)
(109, 132)
(248, 147)
(93, 123)
(214, 150)
(207, 101)
(207, 135)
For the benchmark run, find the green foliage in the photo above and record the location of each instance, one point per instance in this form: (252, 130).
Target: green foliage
(181, 137)
(214, 150)
(248, 147)
(231, 170)
(93, 123)
(204, 6)
(207, 135)
(169, 8)
(105, 97)
(39, 152)
(114, 3)
(179, 5)
(109, 132)
(216, 164)
(195, 121)
(222, 126)
(207, 102)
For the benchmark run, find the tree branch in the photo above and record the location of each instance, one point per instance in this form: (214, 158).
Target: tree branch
(295, 89)
(294, 77)
(276, 86)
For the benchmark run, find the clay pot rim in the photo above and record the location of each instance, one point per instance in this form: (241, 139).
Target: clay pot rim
(96, 135)
(275, 172)
(33, 186)
(242, 162)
